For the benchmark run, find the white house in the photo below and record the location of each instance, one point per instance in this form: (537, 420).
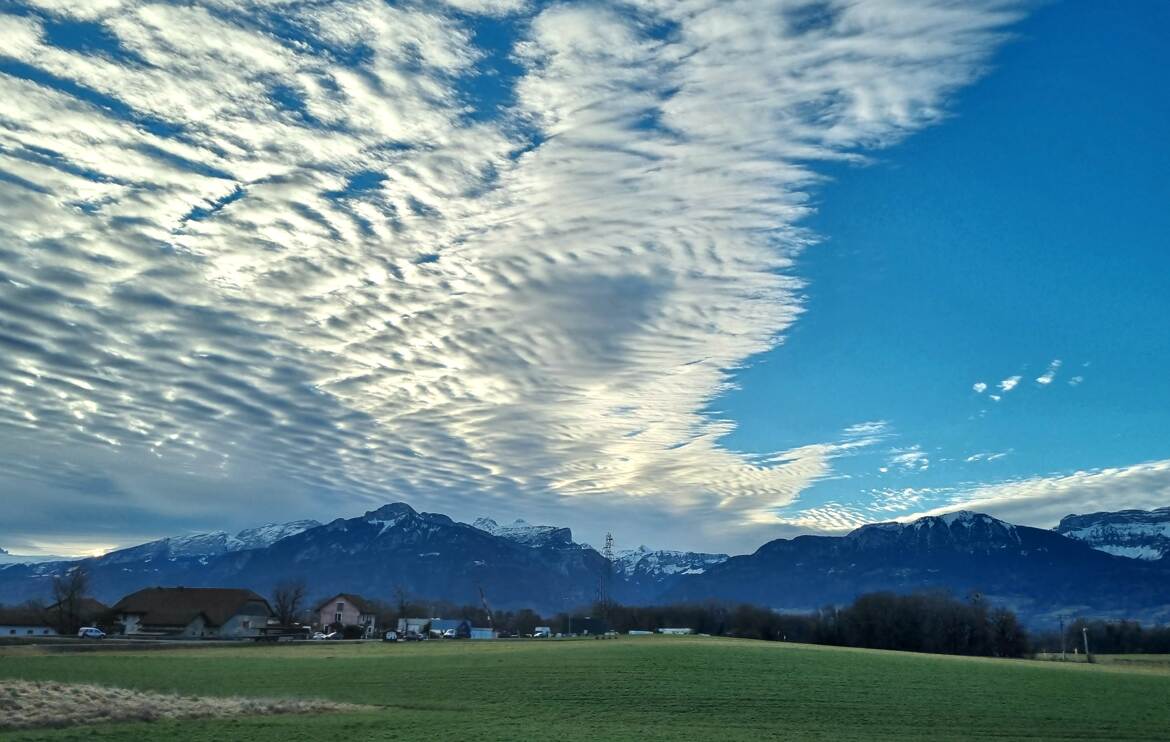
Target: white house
(676, 632)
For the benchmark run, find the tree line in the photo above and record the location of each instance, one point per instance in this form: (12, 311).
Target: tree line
(922, 622)
(1106, 637)
(933, 622)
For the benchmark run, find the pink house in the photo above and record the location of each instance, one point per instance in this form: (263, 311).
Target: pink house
(345, 609)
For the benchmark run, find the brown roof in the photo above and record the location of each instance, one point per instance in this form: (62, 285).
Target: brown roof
(23, 616)
(86, 607)
(358, 602)
(179, 606)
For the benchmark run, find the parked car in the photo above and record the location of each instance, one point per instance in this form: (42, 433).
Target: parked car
(449, 634)
(390, 636)
(90, 632)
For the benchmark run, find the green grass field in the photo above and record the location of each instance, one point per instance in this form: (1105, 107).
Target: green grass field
(641, 688)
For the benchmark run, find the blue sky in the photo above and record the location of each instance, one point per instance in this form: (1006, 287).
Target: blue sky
(702, 273)
(1029, 227)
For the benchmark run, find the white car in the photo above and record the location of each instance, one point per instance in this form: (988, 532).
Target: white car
(449, 634)
(90, 632)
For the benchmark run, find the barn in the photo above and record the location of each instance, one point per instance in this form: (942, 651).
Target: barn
(24, 622)
(193, 613)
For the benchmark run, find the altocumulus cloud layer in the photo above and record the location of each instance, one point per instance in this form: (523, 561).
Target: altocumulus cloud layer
(282, 256)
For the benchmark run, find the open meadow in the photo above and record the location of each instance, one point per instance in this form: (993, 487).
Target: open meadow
(645, 688)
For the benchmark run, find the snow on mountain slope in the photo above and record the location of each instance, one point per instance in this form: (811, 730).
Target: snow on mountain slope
(646, 561)
(256, 538)
(961, 531)
(525, 533)
(213, 543)
(7, 558)
(1137, 534)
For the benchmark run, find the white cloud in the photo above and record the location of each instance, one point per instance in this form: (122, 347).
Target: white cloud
(285, 251)
(1076, 380)
(979, 387)
(1043, 501)
(1037, 501)
(874, 429)
(986, 456)
(1009, 383)
(489, 7)
(1048, 376)
(912, 458)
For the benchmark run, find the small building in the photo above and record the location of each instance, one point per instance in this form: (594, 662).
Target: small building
(477, 632)
(347, 609)
(193, 613)
(25, 622)
(408, 626)
(676, 632)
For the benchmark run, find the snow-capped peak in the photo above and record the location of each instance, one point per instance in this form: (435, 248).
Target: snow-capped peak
(1137, 534)
(270, 533)
(961, 529)
(646, 561)
(213, 543)
(523, 532)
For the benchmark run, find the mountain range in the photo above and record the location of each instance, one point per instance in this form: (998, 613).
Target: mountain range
(1140, 534)
(1084, 567)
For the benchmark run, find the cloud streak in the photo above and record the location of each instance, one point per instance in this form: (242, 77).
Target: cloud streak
(295, 248)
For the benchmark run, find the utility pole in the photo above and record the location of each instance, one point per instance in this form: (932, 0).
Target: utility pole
(1085, 634)
(608, 576)
(486, 608)
(1063, 651)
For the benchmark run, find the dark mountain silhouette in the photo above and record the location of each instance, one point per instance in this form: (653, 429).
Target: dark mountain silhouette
(1038, 573)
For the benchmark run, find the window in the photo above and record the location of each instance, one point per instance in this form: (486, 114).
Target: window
(340, 607)
(247, 623)
(337, 617)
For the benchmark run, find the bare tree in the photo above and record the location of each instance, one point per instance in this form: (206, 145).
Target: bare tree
(288, 599)
(401, 599)
(68, 591)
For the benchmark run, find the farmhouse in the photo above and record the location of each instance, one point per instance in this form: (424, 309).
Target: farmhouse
(345, 609)
(193, 612)
(24, 622)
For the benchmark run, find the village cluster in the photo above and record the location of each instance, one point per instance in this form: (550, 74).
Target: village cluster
(233, 613)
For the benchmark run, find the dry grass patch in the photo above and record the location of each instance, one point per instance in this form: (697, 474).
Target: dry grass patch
(27, 705)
